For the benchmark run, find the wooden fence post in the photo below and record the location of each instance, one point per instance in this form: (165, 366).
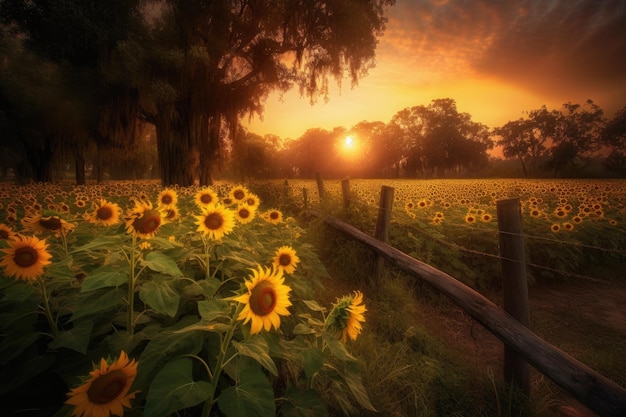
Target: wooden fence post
(320, 185)
(345, 190)
(382, 226)
(514, 285)
(305, 197)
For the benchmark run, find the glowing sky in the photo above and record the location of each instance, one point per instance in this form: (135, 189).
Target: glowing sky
(496, 58)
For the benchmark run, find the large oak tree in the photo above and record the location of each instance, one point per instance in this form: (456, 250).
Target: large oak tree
(205, 64)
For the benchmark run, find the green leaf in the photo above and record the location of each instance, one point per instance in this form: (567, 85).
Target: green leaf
(17, 292)
(159, 262)
(353, 379)
(98, 243)
(94, 302)
(76, 338)
(303, 403)
(211, 310)
(206, 287)
(174, 389)
(105, 276)
(337, 348)
(160, 296)
(253, 396)
(302, 328)
(256, 348)
(163, 348)
(312, 361)
(313, 305)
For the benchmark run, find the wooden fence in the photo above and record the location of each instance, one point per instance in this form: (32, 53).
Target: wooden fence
(522, 346)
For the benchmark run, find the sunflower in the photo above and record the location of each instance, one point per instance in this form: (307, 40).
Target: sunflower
(205, 197)
(25, 257)
(6, 232)
(105, 393)
(285, 259)
(252, 200)
(273, 216)
(347, 315)
(266, 300)
(215, 221)
(105, 213)
(238, 194)
(469, 218)
(245, 213)
(49, 221)
(167, 198)
(143, 220)
(486, 217)
(555, 228)
(171, 214)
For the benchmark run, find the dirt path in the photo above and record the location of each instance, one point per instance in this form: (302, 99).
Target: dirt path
(585, 319)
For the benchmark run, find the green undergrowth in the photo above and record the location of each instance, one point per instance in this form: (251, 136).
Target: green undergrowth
(409, 371)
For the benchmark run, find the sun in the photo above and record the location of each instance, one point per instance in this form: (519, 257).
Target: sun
(348, 142)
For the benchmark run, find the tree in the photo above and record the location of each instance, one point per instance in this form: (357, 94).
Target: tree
(364, 154)
(79, 39)
(576, 135)
(525, 139)
(437, 138)
(208, 63)
(613, 136)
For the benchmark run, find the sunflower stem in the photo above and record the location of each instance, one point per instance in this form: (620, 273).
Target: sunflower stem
(207, 255)
(47, 309)
(131, 287)
(220, 363)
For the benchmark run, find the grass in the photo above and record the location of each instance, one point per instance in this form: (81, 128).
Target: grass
(409, 369)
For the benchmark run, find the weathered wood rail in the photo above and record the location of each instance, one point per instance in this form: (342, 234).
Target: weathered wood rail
(591, 388)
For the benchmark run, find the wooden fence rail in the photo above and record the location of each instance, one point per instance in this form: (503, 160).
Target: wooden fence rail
(591, 388)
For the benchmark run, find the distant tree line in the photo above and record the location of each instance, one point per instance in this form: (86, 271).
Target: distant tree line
(436, 141)
(157, 89)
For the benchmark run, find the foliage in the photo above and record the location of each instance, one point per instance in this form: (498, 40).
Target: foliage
(168, 301)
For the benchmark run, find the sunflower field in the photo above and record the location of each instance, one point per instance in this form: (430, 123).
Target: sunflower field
(572, 229)
(130, 299)
(126, 298)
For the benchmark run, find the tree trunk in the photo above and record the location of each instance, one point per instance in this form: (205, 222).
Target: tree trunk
(176, 153)
(79, 164)
(40, 159)
(523, 167)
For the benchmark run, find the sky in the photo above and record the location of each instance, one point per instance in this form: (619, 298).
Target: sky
(497, 59)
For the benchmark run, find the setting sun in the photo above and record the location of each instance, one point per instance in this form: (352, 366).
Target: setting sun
(348, 142)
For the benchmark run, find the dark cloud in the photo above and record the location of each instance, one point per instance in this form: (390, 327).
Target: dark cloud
(555, 48)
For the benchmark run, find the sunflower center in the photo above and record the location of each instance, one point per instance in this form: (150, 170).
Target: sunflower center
(107, 388)
(171, 214)
(147, 224)
(167, 199)
(251, 201)
(263, 298)
(244, 213)
(104, 213)
(206, 198)
(4, 234)
(25, 256)
(239, 194)
(284, 259)
(51, 223)
(273, 215)
(213, 221)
